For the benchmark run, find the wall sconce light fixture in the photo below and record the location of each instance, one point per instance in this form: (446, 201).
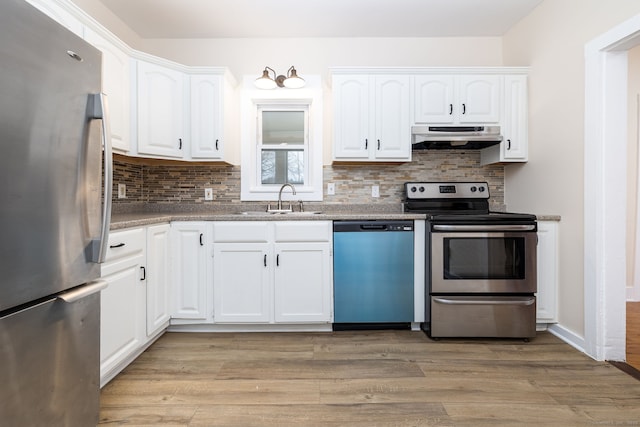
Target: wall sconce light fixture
(291, 80)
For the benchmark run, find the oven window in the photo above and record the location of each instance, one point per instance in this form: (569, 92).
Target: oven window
(484, 258)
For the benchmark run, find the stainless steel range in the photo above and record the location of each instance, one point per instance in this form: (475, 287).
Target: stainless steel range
(480, 266)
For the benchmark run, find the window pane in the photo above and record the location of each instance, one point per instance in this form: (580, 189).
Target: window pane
(282, 166)
(282, 127)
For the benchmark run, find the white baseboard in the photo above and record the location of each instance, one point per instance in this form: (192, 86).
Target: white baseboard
(568, 336)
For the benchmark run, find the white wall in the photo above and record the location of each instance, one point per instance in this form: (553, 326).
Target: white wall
(551, 41)
(632, 168)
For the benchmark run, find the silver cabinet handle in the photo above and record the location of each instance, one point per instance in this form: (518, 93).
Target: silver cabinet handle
(101, 112)
(83, 291)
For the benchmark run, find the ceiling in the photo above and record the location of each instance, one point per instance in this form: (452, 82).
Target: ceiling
(319, 18)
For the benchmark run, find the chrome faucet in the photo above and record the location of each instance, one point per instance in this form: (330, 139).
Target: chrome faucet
(293, 189)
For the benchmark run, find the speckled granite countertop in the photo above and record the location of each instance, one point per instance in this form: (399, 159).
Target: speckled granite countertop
(137, 216)
(142, 215)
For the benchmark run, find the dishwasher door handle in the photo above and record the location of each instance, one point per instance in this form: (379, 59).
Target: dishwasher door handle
(373, 227)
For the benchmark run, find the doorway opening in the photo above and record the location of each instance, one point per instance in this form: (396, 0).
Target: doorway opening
(606, 139)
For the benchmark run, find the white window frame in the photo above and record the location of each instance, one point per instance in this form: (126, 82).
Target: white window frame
(260, 146)
(252, 100)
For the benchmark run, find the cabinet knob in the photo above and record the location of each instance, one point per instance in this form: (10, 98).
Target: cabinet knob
(378, 144)
(450, 109)
(144, 274)
(366, 144)
(464, 108)
(216, 145)
(508, 144)
(201, 242)
(265, 260)
(180, 143)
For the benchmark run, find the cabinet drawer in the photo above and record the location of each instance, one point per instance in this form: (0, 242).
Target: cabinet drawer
(303, 231)
(125, 243)
(240, 231)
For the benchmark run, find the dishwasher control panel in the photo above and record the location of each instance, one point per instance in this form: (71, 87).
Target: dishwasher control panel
(372, 226)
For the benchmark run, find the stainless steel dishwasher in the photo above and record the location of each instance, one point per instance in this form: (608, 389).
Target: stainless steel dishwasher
(373, 274)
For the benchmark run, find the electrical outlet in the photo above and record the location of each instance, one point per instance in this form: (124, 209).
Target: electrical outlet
(208, 193)
(122, 191)
(375, 191)
(331, 189)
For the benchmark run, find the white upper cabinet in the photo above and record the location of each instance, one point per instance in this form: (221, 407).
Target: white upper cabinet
(433, 99)
(115, 84)
(478, 98)
(161, 109)
(371, 117)
(351, 116)
(514, 147)
(457, 99)
(207, 116)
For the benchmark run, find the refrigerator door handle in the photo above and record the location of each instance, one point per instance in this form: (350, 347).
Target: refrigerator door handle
(83, 291)
(101, 112)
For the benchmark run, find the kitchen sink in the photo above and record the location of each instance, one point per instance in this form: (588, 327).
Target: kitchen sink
(265, 213)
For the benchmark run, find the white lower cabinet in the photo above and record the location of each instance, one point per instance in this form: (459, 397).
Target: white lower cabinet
(301, 275)
(547, 295)
(241, 282)
(272, 272)
(191, 265)
(134, 306)
(158, 277)
(122, 303)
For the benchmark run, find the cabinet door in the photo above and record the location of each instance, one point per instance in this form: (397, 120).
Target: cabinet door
(160, 110)
(478, 99)
(121, 314)
(189, 246)
(351, 117)
(515, 145)
(303, 282)
(158, 277)
(241, 282)
(391, 120)
(433, 97)
(206, 116)
(546, 297)
(115, 83)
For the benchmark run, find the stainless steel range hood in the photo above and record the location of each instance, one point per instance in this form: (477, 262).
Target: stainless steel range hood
(454, 137)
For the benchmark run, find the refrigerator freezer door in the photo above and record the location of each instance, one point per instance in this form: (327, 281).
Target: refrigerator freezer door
(50, 364)
(49, 156)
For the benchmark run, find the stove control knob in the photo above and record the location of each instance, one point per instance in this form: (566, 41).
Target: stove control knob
(473, 189)
(414, 189)
(481, 189)
(422, 189)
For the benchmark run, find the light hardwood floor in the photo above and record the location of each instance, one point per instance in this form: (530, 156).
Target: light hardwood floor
(633, 334)
(370, 378)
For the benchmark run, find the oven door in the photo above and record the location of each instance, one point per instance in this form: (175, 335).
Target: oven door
(483, 259)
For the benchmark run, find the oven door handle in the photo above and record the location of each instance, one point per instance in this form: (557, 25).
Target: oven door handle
(505, 227)
(528, 301)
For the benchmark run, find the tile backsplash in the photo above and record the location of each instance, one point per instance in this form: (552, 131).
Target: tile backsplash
(158, 183)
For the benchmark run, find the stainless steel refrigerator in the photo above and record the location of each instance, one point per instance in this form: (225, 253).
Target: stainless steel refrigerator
(53, 223)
